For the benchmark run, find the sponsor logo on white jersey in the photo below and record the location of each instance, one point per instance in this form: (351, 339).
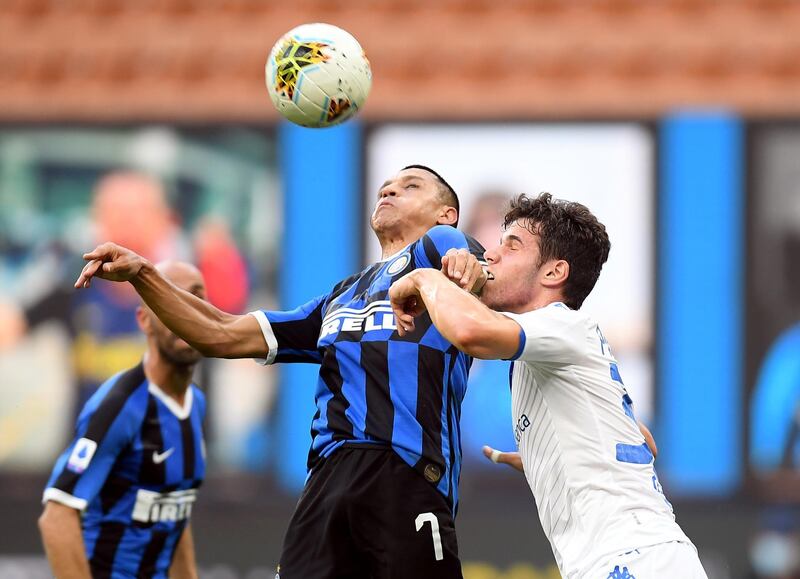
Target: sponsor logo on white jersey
(155, 507)
(375, 316)
(81, 455)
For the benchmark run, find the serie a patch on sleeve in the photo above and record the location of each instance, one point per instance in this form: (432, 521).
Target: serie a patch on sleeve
(81, 455)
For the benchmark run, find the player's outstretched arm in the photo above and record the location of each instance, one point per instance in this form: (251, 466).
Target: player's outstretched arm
(209, 330)
(60, 527)
(512, 459)
(184, 564)
(648, 438)
(459, 316)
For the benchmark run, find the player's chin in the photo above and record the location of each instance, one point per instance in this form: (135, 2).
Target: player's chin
(384, 218)
(183, 353)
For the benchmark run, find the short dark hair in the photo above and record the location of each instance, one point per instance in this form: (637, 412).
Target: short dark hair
(568, 231)
(447, 193)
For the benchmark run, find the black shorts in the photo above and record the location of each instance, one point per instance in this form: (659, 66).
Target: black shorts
(366, 514)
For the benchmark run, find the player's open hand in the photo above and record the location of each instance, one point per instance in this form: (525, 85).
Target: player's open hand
(512, 459)
(463, 268)
(406, 303)
(109, 261)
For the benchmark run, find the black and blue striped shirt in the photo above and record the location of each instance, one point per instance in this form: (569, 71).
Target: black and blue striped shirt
(375, 386)
(133, 468)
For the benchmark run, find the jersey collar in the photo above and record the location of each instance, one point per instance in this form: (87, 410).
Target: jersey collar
(181, 412)
(396, 254)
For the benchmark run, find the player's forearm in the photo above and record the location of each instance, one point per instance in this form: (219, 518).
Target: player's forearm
(207, 329)
(184, 565)
(463, 320)
(63, 542)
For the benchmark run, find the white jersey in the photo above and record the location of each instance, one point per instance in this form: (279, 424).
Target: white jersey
(584, 456)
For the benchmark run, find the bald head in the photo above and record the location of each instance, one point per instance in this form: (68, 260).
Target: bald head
(170, 347)
(180, 273)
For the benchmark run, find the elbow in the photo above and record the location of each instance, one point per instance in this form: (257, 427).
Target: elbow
(42, 524)
(46, 524)
(469, 338)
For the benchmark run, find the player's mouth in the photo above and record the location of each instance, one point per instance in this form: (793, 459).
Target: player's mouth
(383, 203)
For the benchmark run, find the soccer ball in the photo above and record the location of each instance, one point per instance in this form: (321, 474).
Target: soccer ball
(318, 75)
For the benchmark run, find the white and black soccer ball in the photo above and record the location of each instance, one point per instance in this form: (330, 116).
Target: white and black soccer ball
(318, 75)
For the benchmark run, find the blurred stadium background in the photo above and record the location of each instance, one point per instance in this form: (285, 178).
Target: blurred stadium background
(676, 121)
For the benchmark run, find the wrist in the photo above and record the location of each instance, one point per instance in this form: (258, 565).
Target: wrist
(424, 276)
(480, 283)
(146, 269)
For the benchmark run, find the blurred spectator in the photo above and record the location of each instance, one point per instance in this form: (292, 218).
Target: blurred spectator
(222, 265)
(128, 208)
(485, 220)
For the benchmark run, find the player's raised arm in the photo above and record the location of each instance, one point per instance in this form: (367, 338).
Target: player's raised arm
(459, 316)
(209, 330)
(512, 459)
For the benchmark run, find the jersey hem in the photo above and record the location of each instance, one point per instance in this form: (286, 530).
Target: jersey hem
(269, 337)
(64, 498)
(607, 558)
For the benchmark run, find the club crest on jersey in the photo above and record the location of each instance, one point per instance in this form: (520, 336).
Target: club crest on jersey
(398, 264)
(81, 455)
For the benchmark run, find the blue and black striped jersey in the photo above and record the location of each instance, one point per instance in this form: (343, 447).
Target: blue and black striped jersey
(133, 468)
(375, 386)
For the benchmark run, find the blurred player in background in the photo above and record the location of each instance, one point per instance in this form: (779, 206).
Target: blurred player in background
(131, 209)
(120, 497)
(588, 464)
(385, 459)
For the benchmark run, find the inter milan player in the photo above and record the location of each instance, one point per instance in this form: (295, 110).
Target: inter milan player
(135, 464)
(587, 462)
(385, 458)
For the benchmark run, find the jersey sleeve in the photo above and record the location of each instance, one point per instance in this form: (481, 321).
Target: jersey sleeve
(292, 336)
(429, 250)
(102, 432)
(552, 334)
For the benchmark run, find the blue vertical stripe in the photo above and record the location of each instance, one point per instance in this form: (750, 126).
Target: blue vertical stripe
(90, 535)
(444, 482)
(455, 460)
(168, 552)
(403, 364)
(354, 390)
(324, 395)
(321, 171)
(198, 412)
(700, 313)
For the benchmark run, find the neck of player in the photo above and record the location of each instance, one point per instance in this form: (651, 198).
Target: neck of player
(395, 240)
(173, 379)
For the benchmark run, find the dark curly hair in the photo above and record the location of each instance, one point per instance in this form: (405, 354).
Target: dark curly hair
(568, 231)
